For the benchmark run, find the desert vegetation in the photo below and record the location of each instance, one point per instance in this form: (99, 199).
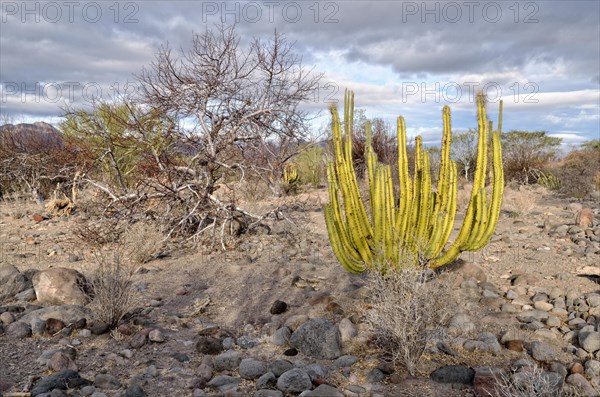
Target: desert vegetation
(190, 238)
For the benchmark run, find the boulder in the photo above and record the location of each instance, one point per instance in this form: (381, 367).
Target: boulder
(12, 281)
(318, 338)
(60, 285)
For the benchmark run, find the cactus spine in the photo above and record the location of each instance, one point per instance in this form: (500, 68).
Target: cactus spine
(416, 229)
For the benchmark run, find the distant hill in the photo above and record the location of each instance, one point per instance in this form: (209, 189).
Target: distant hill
(30, 138)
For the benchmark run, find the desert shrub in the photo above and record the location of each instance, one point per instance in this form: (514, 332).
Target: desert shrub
(519, 199)
(409, 309)
(579, 172)
(143, 242)
(525, 152)
(547, 180)
(37, 160)
(532, 382)
(114, 292)
(311, 166)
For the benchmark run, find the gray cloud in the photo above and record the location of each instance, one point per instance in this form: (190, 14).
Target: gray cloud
(560, 52)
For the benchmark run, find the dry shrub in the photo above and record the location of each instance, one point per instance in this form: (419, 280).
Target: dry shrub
(532, 382)
(143, 242)
(410, 309)
(579, 173)
(520, 199)
(97, 234)
(114, 293)
(60, 207)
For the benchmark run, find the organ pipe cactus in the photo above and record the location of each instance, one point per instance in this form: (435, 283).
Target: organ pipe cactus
(414, 229)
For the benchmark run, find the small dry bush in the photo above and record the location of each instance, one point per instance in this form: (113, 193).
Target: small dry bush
(532, 382)
(410, 308)
(143, 242)
(579, 173)
(114, 292)
(520, 199)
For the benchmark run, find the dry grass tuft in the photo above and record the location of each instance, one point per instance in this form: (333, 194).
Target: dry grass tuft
(533, 382)
(410, 308)
(520, 200)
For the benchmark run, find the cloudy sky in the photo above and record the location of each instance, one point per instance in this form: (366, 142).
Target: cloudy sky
(400, 57)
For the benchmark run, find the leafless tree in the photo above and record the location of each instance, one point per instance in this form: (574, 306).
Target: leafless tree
(233, 99)
(200, 121)
(464, 150)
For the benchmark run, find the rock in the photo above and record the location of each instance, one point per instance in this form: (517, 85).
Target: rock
(252, 369)
(592, 368)
(347, 329)
(227, 361)
(453, 374)
(460, 324)
(87, 390)
(60, 285)
(296, 321)
(247, 342)
(26, 296)
(580, 382)
(224, 382)
(181, 357)
(318, 338)
(584, 218)
(294, 381)
(54, 326)
(209, 345)
(12, 281)
(68, 314)
(375, 375)
(589, 341)
(278, 367)
(278, 307)
(543, 352)
(544, 306)
(593, 300)
(576, 368)
(281, 337)
(345, 361)
(315, 372)
(138, 340)
(61, 361)
(267, 380)
(134, 390)
(290, 352)
(204, 371)
(514, 345)
(156, 336)
(470, 270)
(38, 326)
(99, 328)
(63, 380)
(7, 318)
(18, 330)
(107, 382)
(324, 391)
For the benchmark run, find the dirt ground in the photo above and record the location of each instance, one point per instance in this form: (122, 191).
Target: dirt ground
(294, 264)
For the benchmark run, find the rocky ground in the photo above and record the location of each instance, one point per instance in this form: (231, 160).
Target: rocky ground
(278, 316)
